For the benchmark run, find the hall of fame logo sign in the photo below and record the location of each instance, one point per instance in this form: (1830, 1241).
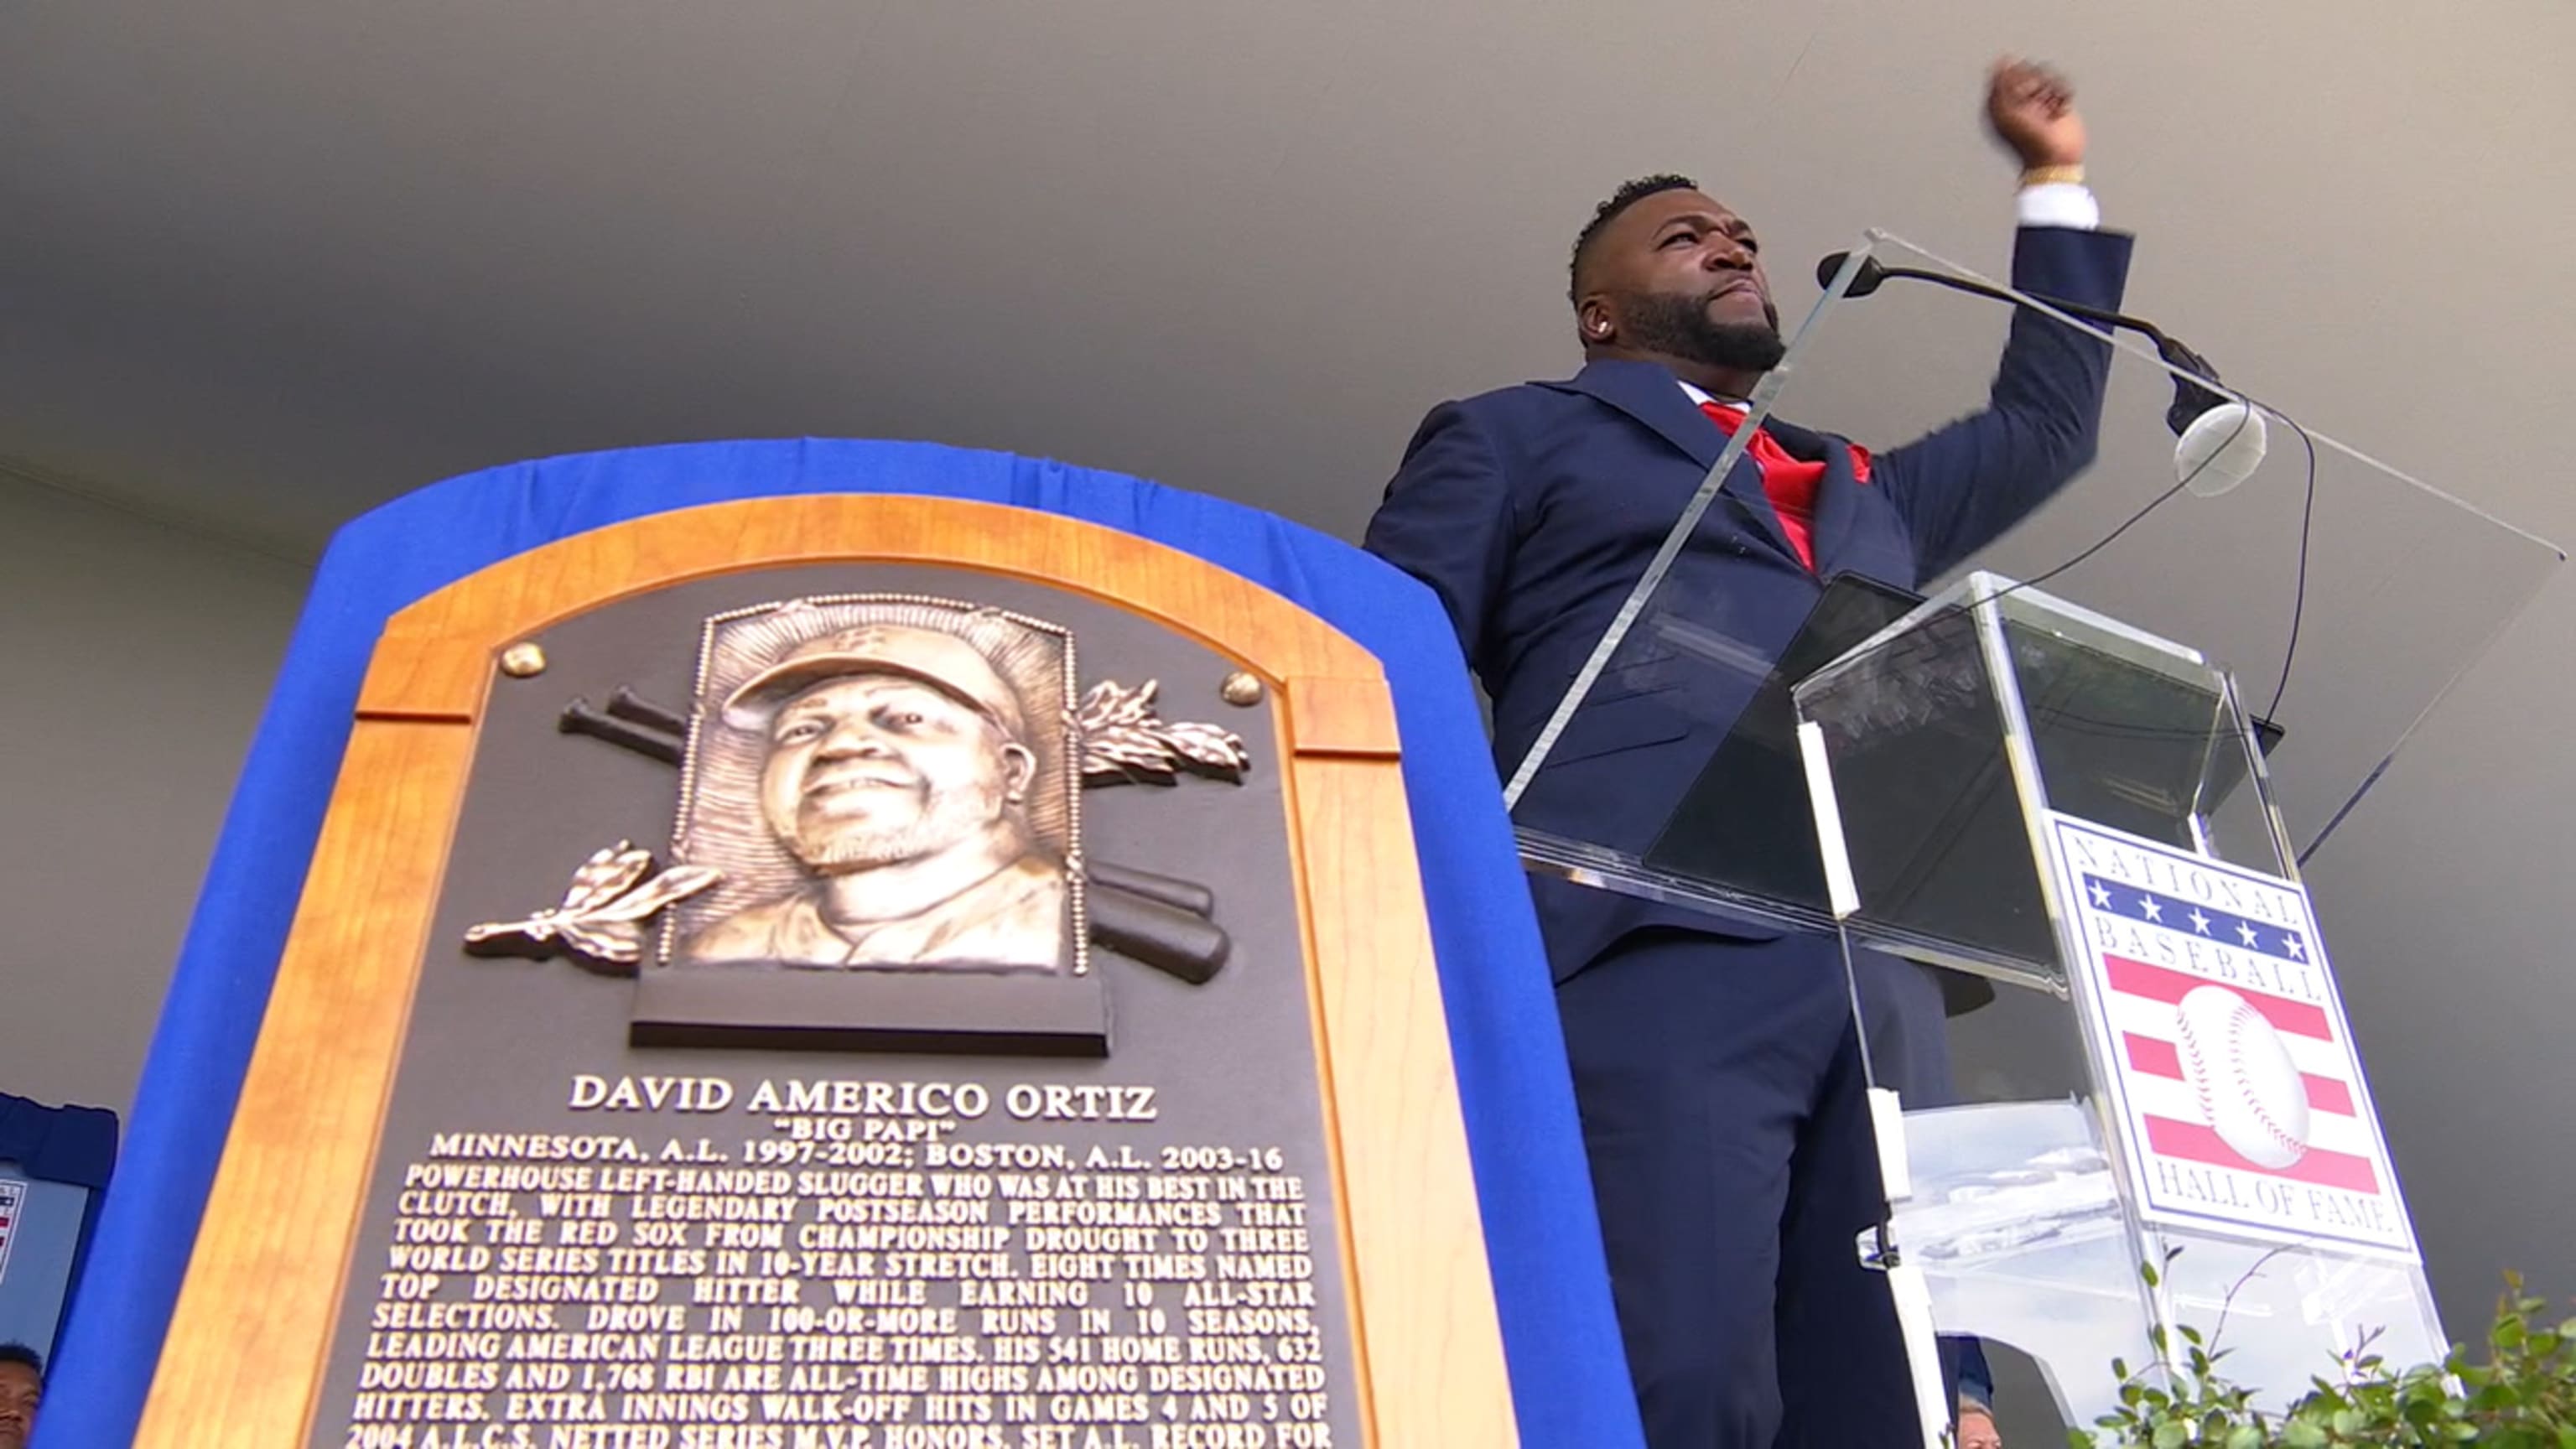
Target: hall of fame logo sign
(13, 1204)
(2231, 1067)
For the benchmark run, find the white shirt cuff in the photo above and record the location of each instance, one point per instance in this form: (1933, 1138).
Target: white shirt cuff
(2068, 204)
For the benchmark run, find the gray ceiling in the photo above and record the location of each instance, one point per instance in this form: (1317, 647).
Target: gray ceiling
(271, 261)
(265, 264)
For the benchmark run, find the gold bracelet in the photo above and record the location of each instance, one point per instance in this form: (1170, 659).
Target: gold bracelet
(2053, 175)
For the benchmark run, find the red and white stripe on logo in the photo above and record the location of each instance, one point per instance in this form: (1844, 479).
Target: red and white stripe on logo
(2142, 1004)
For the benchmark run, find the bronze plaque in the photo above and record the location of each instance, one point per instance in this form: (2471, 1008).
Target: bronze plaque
(866, 1007)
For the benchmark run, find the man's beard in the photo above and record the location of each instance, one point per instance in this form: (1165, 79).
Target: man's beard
(838, 847)
(1680, 327)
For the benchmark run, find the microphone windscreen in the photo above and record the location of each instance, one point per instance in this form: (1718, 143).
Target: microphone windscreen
(2221, 449)
(1864, 281)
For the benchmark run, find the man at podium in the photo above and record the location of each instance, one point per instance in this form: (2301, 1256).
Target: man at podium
(1715, 1061)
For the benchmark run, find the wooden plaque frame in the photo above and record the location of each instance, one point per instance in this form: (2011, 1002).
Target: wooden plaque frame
(242, 1365)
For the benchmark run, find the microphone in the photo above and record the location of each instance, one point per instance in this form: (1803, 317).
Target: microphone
(2192, 402)
(2221, 449)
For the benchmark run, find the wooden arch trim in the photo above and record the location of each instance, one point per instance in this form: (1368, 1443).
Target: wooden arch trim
(242, 1365)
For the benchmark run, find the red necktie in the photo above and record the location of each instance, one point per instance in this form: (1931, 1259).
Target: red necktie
(1789, 483)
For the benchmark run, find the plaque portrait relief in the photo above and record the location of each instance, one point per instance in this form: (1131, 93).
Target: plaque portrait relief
(886, 784)
(878, 840)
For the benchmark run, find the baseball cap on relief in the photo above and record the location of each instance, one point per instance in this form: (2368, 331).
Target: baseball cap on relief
(936, 658)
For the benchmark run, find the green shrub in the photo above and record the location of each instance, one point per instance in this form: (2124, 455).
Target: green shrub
(2522, 1397)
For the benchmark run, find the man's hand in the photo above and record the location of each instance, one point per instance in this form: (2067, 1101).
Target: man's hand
(2032, 110)
(1977, 1429)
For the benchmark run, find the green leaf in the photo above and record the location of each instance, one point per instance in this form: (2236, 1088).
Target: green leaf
(2523, 1396)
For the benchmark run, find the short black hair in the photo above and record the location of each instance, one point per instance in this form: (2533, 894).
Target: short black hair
(1628, 195)
(21, 1353)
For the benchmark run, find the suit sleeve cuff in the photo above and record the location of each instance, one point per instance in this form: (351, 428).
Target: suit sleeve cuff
(2068, 204)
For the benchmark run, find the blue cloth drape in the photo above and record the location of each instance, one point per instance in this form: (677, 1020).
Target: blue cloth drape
(1569, 1383)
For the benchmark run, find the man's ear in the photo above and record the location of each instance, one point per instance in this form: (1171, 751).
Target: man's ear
(1592, 318)
(1019, 771)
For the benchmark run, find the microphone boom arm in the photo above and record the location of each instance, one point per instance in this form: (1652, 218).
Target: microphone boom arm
(2190, 398)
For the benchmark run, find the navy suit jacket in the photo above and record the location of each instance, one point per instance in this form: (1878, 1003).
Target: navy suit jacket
(1533, 510)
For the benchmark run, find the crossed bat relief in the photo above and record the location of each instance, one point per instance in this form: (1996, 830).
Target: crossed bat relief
(1157, 920)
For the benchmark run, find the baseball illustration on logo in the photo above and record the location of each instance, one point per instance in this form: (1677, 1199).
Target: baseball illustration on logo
(2249, 1089)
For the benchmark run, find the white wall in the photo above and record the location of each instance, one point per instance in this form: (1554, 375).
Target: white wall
(135, 658)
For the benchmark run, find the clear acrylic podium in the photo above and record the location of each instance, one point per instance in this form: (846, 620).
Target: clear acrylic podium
(2032, 784)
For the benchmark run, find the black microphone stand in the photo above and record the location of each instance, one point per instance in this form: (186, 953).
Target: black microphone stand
(2190, 398)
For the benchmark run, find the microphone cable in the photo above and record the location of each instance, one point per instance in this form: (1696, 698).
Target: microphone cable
(2187, 370)
(2307, 522)
(2298, 601)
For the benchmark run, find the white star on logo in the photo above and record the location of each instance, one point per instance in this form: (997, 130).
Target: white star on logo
(2246, 931)
(2147, 906)
(2199, 922)
(2101, 897)
(2298, 948)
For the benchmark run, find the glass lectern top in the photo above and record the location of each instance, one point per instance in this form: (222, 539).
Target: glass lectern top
(2342, 597)
(1946, 735)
